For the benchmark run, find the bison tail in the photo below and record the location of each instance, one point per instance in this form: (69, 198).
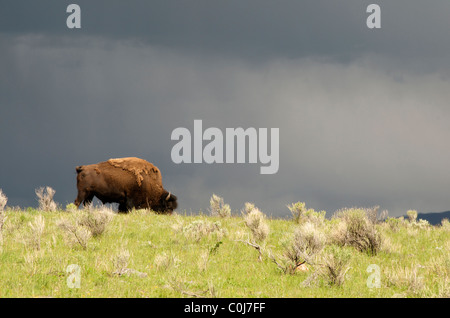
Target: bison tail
(79, 169)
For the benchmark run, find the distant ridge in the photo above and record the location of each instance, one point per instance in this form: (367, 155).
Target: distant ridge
(434, 218)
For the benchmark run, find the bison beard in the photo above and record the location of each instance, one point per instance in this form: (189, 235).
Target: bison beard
(131, 182)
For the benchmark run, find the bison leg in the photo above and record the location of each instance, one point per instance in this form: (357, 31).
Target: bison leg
(88, 199)
(126, 206)
(130, 204)
(123, 207)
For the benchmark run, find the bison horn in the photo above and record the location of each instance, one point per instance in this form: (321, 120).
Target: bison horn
(168, 196)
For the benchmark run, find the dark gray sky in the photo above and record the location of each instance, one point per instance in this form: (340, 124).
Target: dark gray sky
(363, 114)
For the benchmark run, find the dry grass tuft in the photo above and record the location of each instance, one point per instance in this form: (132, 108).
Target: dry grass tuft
(255, 220)
(412, 215)
(165, 261)
(301, 214)
(408, 278)
(96, 220)
(120, 261)
(198, 229)
(75, 234)
(81, 225)
(45, 199)
(3, 201)
(445, 224)
(33, 239)
(335, 266)
(218, 207)
(203, 260)
(307, 242)
(356, 229)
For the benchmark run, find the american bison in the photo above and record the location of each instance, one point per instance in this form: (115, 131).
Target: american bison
(131, 182)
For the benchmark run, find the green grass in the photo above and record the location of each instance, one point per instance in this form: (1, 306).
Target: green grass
(164, 259)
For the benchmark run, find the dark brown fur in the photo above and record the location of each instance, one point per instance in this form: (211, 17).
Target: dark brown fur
(131, 182)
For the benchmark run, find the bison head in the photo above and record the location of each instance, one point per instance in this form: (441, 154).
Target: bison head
(167, 202)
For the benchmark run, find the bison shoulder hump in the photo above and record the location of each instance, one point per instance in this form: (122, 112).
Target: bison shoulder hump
(138, 167)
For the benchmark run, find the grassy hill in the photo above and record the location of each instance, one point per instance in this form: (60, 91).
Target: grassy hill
(98, 253)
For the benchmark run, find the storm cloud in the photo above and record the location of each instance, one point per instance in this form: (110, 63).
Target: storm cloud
(363, 115)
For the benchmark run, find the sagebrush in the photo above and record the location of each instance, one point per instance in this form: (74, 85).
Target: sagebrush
(45, 199)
